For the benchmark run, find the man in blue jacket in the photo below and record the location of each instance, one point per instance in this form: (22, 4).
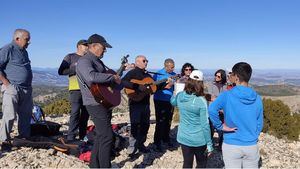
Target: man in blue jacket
(243, 120)
(163, 107)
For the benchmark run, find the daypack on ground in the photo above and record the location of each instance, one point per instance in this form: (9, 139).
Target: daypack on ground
(120, 141)
(41, 127)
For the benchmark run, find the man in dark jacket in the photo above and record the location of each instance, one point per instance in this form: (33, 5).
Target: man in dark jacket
(139, 109)
(91, 69)
(79, 116)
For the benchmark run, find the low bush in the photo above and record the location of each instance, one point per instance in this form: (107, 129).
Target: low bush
(279, 121)
(58, 107)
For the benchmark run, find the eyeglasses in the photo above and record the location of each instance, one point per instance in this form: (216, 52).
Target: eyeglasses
(145, 60)
(218, 76)
(188, 69)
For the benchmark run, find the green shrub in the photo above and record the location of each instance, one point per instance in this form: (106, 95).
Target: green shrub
(278, 120)
(57, 107)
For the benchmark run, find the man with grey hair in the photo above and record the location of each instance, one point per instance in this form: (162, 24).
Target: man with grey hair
(90, 69)
(163, 107)
(16, 79)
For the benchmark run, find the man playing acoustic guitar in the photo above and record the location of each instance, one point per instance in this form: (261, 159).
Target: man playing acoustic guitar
(90, 69)
(163, 107)
(139, 109)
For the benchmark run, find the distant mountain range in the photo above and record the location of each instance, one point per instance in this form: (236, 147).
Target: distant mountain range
(50, 77)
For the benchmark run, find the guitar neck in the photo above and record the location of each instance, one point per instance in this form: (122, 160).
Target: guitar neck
(120, 70)
(122, 67)
(164, 80)
(160, 81)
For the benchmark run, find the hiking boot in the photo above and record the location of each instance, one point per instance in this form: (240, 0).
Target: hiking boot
(6, 146)
(144, 149)
(158, 148)
(170, 144)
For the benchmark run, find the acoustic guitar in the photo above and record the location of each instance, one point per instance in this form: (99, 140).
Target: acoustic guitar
(106, 94)
(150, 84)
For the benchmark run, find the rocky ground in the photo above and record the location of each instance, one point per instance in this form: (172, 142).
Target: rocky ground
(275, 153)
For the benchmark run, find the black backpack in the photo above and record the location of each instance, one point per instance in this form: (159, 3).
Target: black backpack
(41, 127)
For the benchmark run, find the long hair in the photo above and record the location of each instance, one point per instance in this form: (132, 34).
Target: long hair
(185, 66)
(194, 87)
(223, 76)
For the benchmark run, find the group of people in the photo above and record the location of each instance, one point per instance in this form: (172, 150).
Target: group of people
(233, 108)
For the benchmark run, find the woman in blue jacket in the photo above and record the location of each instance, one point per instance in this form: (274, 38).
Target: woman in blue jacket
(193, 130)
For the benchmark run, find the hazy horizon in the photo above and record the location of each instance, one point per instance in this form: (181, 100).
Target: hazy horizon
(210, 34)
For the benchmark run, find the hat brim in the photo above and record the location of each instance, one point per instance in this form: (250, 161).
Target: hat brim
(106, 45)
(85, 44)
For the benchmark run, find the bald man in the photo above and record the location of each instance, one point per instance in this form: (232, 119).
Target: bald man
(139, 110)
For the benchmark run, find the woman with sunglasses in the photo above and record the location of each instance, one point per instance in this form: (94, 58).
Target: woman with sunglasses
(186, 70)
(219, 85)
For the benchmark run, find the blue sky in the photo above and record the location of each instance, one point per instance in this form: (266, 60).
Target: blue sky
(210, 34)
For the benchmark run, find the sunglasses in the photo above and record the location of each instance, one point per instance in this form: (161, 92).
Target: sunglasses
(188, 69)
(145, 61)
(218, 76)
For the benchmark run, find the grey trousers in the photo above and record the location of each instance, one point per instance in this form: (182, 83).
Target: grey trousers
(240, 156)
(16, 101)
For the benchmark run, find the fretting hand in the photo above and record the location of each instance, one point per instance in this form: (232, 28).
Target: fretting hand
(117, 79)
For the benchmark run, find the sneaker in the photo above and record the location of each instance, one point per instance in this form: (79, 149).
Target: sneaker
(131, 147)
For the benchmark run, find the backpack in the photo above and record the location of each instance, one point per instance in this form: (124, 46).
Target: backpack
(37, 115)
(41, 127)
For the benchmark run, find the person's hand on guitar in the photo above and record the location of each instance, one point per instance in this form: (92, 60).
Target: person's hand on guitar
(170, 83)
(117, 79)
(142, 88)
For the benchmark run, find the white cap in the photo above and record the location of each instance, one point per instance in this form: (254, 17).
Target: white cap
(196, 75)
(228, 71)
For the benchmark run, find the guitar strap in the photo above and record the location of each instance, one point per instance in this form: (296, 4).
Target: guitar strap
(106, 68)
(82, 82)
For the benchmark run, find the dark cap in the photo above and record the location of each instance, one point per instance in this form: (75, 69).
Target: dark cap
(95, 38)
(82, 42)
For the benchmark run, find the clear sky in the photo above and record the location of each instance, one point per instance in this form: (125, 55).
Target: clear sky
(208, 33)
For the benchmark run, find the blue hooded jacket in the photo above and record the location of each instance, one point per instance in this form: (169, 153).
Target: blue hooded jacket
(243, 109)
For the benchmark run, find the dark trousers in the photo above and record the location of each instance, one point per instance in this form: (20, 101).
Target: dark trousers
(163, 115)
(78, 117)
(101, 152)
(189, 153)
(140, 123)
(220, 132)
